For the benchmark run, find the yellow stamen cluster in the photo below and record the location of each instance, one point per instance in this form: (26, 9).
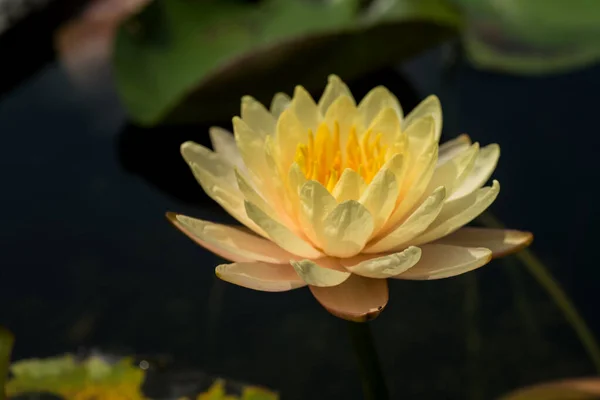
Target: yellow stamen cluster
(321, 159)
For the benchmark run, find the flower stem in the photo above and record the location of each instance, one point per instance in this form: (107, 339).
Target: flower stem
(374, 387)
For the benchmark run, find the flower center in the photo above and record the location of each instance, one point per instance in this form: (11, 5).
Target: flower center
(322, 159)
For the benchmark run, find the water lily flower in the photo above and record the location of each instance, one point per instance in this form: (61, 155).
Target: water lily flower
(339, 197)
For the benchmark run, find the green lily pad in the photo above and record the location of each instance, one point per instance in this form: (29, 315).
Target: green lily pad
(182, 61)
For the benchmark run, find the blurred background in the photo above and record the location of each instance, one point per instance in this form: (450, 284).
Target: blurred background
(96, 97)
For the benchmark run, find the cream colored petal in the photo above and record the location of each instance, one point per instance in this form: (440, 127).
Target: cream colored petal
(227, 196)
(258, 118)
(324, 272)
(421, 136)
(260, 276)
(315, 204)
(280, 102)
(452, 147)
(484, 165)
(252, 148)
(349, 187)
(306, 109)
(382, 266)
(357, 299)
(441, 261)
(459, 212)
(454, 171)
(334, 89)
(296, 180)
(414, 225)
(224, 145)
(231, 240)
(380, 197)
(346, 229)
(501, 242)
(280, 234)
(386, 123)
(207, 160)
(341, 112)
(430, 106)
(251, 195)
(376, 100)
(290, 133)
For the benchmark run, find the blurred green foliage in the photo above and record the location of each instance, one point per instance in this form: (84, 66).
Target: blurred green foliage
(6, 345)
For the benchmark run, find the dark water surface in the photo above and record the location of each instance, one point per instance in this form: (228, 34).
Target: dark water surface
(88, 258)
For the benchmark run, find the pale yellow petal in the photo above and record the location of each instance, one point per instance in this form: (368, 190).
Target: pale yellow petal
(290, 133)
(334, 89)
(442, 261)
(459, 212)
(357, 299)
(421, 136)
(501, 242)
(323, 272)
(296, 180)
(231, 239)
(380, 197)
(413, 226)
(429, 107)
(347, 229)
(280, 234)
(224, 145)
(260, 276)
(252, 148)
(250, 194)
(349, 187)
(258, 118)
(376, 100)
(306, 109)
(484, 165)
(454, 171)
(207, 160)
(382, 266)
(280, 102)
(342, 114)
(386, 123)
(315, 204)
(452, 147)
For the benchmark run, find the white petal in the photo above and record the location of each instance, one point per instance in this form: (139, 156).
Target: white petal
(334, 89)
(349, 187)
(280, 102)
(414, 225)
(442, 261)
(346, 229)
(281, 235)
(484, 166)
(459, 212)
(324, 272)
(500, 241)
(260, 276)
(306, 109)
(452, 147)
(224, 144)
(382, 266)
(258, 118)
(376, 100)
(315, 204)
(380, 197)
(231, 240)
(430, 106)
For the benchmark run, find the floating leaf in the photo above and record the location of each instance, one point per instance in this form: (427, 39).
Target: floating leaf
(191, 61)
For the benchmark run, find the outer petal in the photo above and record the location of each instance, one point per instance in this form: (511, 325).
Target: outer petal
(358, 299)
(451, 173)
(230, 240)
(205, 159)
(349, 187)
(252, 148)
(430, 106)
(334, 89)
(224, 144)
(382, 265)
(346, 229)
(441, 261)
(258, 118)
(281, 235)
(453, 147)
(280, 102)
(501, 242)
(376, 100)
(380, 197)
(414, 225)
(484, 165)
(459, 212)
(323, 272)
(315, 204)
(260, 276)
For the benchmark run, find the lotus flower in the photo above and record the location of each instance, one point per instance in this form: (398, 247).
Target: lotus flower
(340, 197)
